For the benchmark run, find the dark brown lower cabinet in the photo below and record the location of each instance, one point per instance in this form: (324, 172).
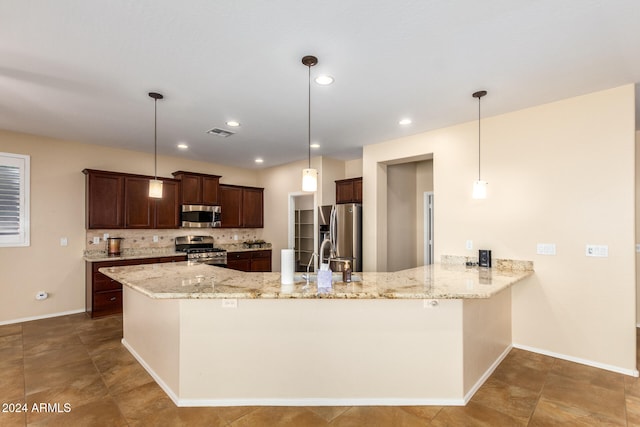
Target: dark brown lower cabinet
(103, 294)
(257, 261)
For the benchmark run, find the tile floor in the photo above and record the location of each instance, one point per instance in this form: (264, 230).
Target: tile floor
(75, 360)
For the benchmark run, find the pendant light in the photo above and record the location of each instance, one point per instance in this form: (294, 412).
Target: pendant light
(155, 185)
(479, 186)
(309, 175)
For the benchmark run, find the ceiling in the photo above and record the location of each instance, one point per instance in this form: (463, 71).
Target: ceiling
(81, 70)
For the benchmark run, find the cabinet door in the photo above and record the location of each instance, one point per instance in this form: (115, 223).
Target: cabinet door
(357, 190)
(261, 261)
(138, 206)
(344, 191)
(191, 189)
(231, 206)
(252, 208)
(239, 261)
(167, 213)
(210, 190)
(105, 201)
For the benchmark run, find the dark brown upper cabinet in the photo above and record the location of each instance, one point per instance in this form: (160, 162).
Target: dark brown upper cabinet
(117, 200)
(349, 190)
(198, 189)
(242, 207)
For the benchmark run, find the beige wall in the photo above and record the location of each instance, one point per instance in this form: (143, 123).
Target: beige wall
(401, 216)
(353, 168)
(558, 173)
(57, 210)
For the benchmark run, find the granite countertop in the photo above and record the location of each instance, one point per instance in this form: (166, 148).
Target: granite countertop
(189, 280)
(100, 256)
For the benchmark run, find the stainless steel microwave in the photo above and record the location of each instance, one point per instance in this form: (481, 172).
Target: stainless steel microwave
(200, 216)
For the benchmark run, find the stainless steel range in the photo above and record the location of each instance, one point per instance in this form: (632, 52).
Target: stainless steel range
(201, 249)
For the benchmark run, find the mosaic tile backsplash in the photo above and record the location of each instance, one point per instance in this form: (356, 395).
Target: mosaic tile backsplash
(136, 240)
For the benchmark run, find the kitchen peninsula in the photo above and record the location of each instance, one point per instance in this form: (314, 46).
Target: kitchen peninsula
(216, 337)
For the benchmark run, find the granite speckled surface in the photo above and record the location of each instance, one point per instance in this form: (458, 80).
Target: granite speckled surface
(99, 256)
(189, 280)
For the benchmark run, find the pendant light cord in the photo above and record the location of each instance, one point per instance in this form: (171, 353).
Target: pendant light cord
(309, 116)
(155, 139)
(479, 138)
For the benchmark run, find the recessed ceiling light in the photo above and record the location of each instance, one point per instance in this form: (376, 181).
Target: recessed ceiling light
(405, 122)
(315, 145)
(233, 123)
(324, 80)
(259, 160)
(183, 146)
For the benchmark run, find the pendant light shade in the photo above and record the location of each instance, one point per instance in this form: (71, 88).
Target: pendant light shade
(155, 185)
(479, 186)
(309, 175)
(309, 180)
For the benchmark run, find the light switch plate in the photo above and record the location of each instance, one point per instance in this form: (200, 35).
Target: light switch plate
(600, 251)
(96, 240)
(546, 249)
(64, 241)
(469, 245)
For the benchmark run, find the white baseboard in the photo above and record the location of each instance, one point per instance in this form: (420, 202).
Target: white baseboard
(486, 375)
(625, 371)
(44, 316)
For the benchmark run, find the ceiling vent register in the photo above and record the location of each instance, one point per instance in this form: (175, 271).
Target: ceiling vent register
(220, 132)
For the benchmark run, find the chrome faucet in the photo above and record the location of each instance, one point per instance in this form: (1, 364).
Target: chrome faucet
(308, 267)
(324, 242)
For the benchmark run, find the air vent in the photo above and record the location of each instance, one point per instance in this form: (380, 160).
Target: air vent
(220, 132)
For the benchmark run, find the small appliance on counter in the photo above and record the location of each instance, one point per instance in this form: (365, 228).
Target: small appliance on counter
(201, 249)
(113, 245)
(484, 258)
(249, 244)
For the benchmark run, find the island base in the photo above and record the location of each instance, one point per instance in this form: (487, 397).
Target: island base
(318, 352)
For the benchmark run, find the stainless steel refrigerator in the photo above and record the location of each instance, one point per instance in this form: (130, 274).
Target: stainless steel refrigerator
(342, 224)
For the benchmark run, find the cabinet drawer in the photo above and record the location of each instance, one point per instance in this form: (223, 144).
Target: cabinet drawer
(107, 300)
(261, 254)
(104, 283)
(238, 255)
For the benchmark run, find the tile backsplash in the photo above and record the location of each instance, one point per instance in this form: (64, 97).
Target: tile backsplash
(143, 239)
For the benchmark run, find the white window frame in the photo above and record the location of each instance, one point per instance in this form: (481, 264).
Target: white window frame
(21, 238)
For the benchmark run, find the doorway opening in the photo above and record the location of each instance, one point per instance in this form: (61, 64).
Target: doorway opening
(302, 234)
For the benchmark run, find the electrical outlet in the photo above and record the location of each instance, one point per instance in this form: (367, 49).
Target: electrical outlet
(155, 239)
(105, 236)
(230, 303)
(96, 240)
(600, 251)
(430, 303)
(469, 245)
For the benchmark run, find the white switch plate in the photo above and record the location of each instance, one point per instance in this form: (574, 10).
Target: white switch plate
(601, 251)
(638, 247)
(105, 236)
(96, 240)
(230, 303)
(155, 239)
(64, 241)
(469, 245)
(546, 249)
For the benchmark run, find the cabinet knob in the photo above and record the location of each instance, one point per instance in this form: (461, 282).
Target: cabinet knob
(112, 299)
